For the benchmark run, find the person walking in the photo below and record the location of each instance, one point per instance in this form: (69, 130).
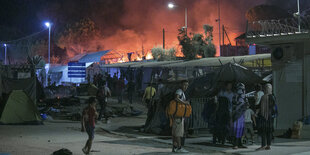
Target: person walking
(147, 98)
(178, 122)
(120, 85)
(239, 107)
(102, 96)
(88, 123)
(266, 113)
(223, 113)
(131, 87)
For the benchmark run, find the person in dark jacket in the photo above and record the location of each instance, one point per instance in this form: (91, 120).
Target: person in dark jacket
(266, 113)
(240, 103)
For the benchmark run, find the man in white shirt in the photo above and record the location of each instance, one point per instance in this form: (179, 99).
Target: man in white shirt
(178, 122)
(258, 94)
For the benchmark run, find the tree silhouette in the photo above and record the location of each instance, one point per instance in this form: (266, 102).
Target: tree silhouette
(161, 54)
(198, 45)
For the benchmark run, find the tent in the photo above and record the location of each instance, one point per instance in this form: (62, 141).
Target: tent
(203, 86)
(20, 109)
(30, 85)
(236, 73)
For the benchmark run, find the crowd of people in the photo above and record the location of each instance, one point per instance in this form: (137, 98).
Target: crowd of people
(234, 118)
(111, 86)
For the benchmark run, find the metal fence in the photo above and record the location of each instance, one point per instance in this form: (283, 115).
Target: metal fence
(17, 71)
(196, 120)
(288, 26)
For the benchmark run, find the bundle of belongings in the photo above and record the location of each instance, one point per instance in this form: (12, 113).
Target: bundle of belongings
(176, 109)
(297, 126)
(293, 132)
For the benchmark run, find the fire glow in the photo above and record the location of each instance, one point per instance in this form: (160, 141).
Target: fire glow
(142, 22)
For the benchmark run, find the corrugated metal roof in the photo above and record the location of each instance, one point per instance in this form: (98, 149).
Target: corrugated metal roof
(218, 61)
(113, 55)
(156, 63)
(77, 57)
(93, 57)
(125, 64)
(205, 62)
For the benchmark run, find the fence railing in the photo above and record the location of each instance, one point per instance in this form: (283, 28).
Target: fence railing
(281, 27)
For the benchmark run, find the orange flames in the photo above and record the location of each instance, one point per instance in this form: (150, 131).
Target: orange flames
(143, 23)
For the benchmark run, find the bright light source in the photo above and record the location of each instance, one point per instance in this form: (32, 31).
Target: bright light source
(4, 45)
(47, 66)
(171, 5)
(47, 24)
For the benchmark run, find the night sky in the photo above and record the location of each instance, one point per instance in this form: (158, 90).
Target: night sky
(125, 25)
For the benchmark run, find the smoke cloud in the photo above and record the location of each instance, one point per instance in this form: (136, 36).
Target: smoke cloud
(127, 25)
(142, 22)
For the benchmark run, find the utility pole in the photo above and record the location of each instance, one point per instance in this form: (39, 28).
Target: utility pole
(223, 38)
(142, 50)
(298, 16)
(163, 38)
(219, 20)
(49, 44)
(5, 54)
(186, 20)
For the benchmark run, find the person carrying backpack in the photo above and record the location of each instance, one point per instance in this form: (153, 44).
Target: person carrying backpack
(178, 122)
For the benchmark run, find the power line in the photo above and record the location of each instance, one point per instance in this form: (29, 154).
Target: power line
(23, 38)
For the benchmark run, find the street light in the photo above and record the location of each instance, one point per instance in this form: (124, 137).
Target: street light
(48, 25)
(171, 6)
(5, 55)
(298, 16)
(219, 20)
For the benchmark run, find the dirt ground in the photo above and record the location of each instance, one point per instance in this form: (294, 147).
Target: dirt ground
(52, 136)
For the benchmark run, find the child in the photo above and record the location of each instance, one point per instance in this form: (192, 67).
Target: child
(88, 123)
(249, 120)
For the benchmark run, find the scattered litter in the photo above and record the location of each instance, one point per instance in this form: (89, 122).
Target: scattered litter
(63, 151)
(95, 151)
(43, 116)
(54, 110)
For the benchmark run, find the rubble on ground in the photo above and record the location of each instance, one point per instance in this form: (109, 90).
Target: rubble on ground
(70, 108)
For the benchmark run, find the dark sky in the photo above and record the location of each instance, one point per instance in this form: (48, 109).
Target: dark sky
(127, 24)
(27, 16)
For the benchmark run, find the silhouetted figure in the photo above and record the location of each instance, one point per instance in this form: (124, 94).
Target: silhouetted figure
(102, 95)
(120, 86)
(131, 90)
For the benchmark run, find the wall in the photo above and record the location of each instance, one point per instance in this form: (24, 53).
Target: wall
(288, 91)
(288, 83)
(307, 84)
